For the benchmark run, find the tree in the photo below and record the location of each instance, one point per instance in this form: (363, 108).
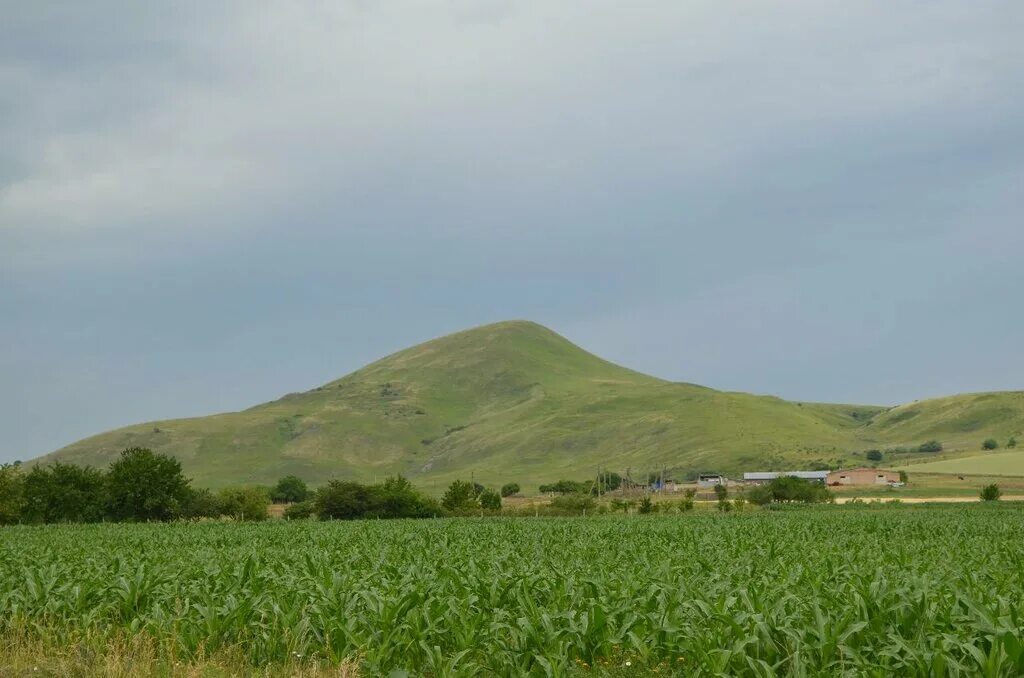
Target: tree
(289, 489)
(143, 485)
(646, 506)
(300, 510)
(342, 499)
(64, 493)
(460, 497)
(201, 503)
(491, 500)
(509, 489)
(904, 478)
(991, 493)
(721, 492)
(931, 446)
(874, 455)
(11, 493)
(244, 503)
(990, 444)
(397, 498)
(789, 489)
(1012, 442)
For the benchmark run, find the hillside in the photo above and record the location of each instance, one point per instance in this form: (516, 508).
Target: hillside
(514, 401)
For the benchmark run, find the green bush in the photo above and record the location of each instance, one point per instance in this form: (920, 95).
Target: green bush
(460, 497)
(201, 503)
(647, 506)
(244, 503)
(509, 489)
(490, 500)
(1012, 442)
(573, 505)
(143, 485)
(873, 455)
(289, 489)
(991, 493)
(12, 485)
(930, 446)
(300, 510)
(990, 444)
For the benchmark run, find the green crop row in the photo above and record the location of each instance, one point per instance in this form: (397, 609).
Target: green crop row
(812, 592)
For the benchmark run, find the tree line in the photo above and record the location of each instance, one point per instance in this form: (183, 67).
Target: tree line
(139, 486)
(142, 485)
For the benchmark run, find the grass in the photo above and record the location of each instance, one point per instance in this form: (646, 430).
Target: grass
(516, 402)
(812, 591)
(1009, 463)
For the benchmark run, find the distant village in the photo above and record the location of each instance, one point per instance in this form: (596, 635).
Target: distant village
(855, 476)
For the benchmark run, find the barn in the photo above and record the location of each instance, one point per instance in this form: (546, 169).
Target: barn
(863, 476)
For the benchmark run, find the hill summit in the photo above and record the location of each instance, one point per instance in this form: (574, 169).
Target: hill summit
(516, 402)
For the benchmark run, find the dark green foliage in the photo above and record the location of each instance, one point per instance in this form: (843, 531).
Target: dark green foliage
(12, 484)
(1012, 442)
(342, 500)
(873, 455)
(460, 497)
(610, 481)
(721, 492)
(143, 485)
(990, 444)
(991, 493)
(63, 493)
(289, 489)
(201, 503)
(646, 506)
(904, 477)
(786, 489)
(760, 495)
(300, 510)
(565, 487)
(686, 504)
(490, 500)
(244, 503)
(397, 498)
(572, 505)
(509, 489)
(724, 505)
(930, 446)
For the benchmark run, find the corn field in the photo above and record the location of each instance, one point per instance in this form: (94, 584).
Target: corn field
(828, 591)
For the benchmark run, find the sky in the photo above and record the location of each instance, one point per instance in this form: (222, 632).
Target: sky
(204, 206)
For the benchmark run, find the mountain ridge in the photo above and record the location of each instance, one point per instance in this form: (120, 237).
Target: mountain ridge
(516, 402)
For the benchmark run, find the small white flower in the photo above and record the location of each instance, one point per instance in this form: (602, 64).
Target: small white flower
(629, 663)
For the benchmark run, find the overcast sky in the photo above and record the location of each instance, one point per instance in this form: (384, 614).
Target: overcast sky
(204, 207)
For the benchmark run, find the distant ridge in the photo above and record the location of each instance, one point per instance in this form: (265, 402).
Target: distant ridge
(514, 401)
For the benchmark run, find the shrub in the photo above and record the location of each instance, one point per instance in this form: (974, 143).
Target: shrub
(143, 485)
(509, 489)
(201, 503)
(721, 492)
(460, 497)
(572, 505)
(11, 492)
(991, 493)
(564, 487)
(760, 495)
(63, 493)
(724, 505)
(647, 506)
(874, 455)
(990, 444)
(289, 489)
(342, 500)
(490, 500)
(300, 510)
(244, 503)
(1012, 442)
(904, 478)
(930, 446)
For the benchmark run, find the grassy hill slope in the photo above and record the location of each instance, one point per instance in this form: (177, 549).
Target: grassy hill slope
(514, 401)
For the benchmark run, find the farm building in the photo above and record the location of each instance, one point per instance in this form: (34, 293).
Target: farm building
(768, 476)
(863, 476)
(710, 479)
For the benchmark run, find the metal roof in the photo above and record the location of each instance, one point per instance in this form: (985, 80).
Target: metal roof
(772, 475)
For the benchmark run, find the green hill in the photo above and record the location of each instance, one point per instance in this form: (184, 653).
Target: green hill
(514, 401)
